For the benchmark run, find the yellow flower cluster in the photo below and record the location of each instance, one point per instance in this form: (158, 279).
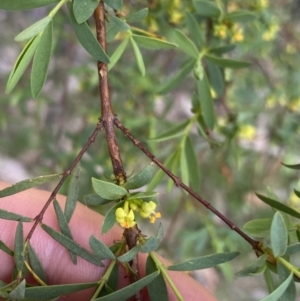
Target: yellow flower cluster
(125, 215)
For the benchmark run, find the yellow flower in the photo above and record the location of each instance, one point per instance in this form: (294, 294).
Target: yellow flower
(247, 131)
(147, 210)
(125, 217)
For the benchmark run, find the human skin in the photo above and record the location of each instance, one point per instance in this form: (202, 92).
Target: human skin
(56, 259)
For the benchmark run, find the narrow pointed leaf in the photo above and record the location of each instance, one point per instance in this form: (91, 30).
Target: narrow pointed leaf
(227, 63)
(117, 54)
(129, 290)
(108, 190)
(194, 29)
(18, 293)
(254, 267)
(151, 244)
(71, 245)
(19, 247)
(21, 64)
(94, 200)
(26, 184)
(130, 255)
(138, 16)
(13, 216)
(41, 61)
(292, 249)
(204, 262)
(87, 38)
(142, 178)
(221, 50)
(152, 43)
(258, 227)
(240, 16)
(185, 44)
(54, 291)
(157, 289)
(100, 249)
(22, 5)
(115, 4)
(64, 226)
(73, 192)
(6, 249)
(290, 293)
(33, 30)
(215, 78)
(138, 57)
(279, 206)
(184, 165)
(278, 235)
(36, 264)
(83, 9)
(297, 193)
(110, 218)
(206, 8)
(292, 166)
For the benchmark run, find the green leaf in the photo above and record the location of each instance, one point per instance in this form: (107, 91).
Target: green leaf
(185, 44)
(290, 293)
(130, 255)
(94, 200)
(292, 166)
(215, 78)
(83, 9)
(143, 177)
(13, 216)
(54, 291)
(198, 70)
(277, 293)
(206, 102)
(73, 192)
(72, 245)
(108, 191)
(117, 54)
(221, 50)
(204, 262)
(227, 63)
(157, 289)
(138, 16)
(173, 132)
(64, 226)
(115, 4)
(174, 81)
(153, 242)
(33, 30)
(279, 206)
(194, 29)
(36, 264)
(18, 293)
(19, 247)
(278, 235)
(24, 4)
(110, 217)
(129, 290)
(254, 268)
(292, 249)
(153, 43)
(258, 227)
(21, 64)
(100, 249)
(138, 57)
(206, 8)
(118, 24)
(297, 193)
(240, 16)
(41, 61)
(87, 38)
(6, 249)
(145, 196)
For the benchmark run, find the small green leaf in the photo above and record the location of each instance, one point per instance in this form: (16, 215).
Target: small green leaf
(174, 81)
(277, 293)
(227, 63)
(138, 16)
(145, 196)
(150, 245)
(6, 249)
(129, 290)
(292, 249)
(83, 9)
(297, 193)
(130, 255)
(22, 5)
(64, 226)
(72, 245)
(278, 235)
(21, 64)
(138, 57)
(194, 29)
(152, 43)
(185, 44)
(100, 249)
(221, 50)
(19, 247)
(292, 166)
(36, 264)
(117, 54)
(258, 227)
(142, 178)
(41, 61)
(279, 206)
(157, 289)
(206, 102)
(110, 217)
(240, 16)
(18, 293)
(13, 216)
(254, 267)
(215, 78)
(290, 293)
(198, 70)
(206, 8)
(108, 191)
(184, 165)
(73, 192)
(115, 4)
(87, 38)
(204, 262)
(54, 291)
(119, 24)
(94, 200)
(33, 30)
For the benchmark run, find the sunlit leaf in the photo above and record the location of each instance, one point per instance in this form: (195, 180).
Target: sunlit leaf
(254, 267)
(41, 61)
(13, 216)
(142, 178)
(138, 57)
(36, 264)
(185, 44)
(18, 293)
(130, 255)
(100, 249)
(290, 293)
(227, 63)
(110, 217)
(6, 249)
(258, 227)
(117, 54)
(108, 190)
(292, 166)
(115, 4)
(206, 8)
(19, 247)
(152, 43)
(194, 29)
(278, 235)
(94, 200)
(33, 30)
(138, 16)
(22, 5)
(83, 9)
(204, 262)
(240, 16)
